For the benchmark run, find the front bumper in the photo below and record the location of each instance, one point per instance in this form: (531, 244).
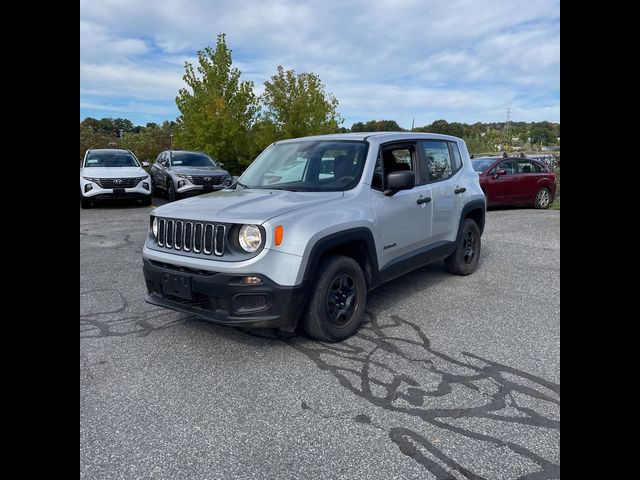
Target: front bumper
(220, 298)
(98, 193)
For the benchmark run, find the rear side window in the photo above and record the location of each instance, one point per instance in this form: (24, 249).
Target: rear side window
(436, 159)
(527, 166)
(455, 155)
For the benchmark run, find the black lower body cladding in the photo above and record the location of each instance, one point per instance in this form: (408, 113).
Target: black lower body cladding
(221, 298)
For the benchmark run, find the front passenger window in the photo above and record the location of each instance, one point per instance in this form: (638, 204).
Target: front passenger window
(506, 165)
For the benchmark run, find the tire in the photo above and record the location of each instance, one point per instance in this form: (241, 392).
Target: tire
(171, 191)
(464, 260)
(543, 199)
(146, 201)
(340, 279)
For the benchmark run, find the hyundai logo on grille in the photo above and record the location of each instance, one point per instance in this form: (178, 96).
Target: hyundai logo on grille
(117, 181)
(207, 179)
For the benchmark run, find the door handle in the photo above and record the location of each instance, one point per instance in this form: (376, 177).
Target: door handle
(420, 201)
(460, 190)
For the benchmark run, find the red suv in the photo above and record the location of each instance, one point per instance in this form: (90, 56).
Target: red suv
(515, 181)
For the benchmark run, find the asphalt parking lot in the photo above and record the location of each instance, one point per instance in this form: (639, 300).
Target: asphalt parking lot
(450, 378)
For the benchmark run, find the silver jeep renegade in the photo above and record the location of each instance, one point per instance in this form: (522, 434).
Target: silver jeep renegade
(312, 225)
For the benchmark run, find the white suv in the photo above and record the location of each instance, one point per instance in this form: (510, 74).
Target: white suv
(113, 174)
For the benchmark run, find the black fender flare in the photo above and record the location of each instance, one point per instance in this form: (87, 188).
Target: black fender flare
(469, 207)
(325, 244)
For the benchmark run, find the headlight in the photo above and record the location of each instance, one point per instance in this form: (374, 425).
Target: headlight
(91, 179)
(250, 238)
(154, 227)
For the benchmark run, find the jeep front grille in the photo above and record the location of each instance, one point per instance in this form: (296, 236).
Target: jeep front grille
(207, 179)
(190, 236)
(119, 182)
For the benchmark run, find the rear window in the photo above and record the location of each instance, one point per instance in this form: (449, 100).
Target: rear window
(480, 165)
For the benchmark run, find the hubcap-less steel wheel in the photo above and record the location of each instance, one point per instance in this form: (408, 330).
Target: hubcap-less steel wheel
(469, 247)
(342, 300)
(543, 198)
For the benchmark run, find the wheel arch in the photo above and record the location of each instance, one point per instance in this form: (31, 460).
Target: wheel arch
(357, 243)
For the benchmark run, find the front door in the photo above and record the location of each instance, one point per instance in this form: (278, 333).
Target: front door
(403, 219)
(503, 189)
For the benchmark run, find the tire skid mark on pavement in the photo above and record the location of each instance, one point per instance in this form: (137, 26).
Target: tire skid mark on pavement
(99, 323)
(354, 364)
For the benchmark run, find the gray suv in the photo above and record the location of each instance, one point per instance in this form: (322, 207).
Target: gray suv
(180, 173)
(311, 226)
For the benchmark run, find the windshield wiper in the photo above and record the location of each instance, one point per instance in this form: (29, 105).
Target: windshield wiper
(288, 189)
(237, 182)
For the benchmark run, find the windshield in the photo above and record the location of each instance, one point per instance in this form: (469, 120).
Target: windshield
(111, 159)
(480, 165)
(308, 166)
(185, 159)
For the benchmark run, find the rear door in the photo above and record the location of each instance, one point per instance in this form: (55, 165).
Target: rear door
(530, 175)
(442, 164)
(404, 219)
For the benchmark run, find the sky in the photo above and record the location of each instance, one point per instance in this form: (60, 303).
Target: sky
(458, 60)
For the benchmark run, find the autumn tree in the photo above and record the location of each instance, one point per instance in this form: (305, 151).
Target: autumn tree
(217, 109)
(297, 105)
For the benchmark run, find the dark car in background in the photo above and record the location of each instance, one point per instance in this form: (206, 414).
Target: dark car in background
(180, 173)
(515, 181)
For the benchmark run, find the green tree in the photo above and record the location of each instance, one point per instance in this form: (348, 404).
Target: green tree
(217, 109)
(298, 106)
(91, 136)
(149, 141)
(377, 126)
(540, 133)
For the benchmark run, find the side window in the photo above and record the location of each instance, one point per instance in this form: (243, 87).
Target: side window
(506, 165)
(394, 159)
(527, 166)
(437, 159)
(539, 168)
(457, 158)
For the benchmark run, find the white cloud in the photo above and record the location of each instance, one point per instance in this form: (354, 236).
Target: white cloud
(408, 58)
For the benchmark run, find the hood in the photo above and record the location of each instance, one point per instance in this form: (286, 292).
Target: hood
(199, 170)
(113, 172)
(243, 206)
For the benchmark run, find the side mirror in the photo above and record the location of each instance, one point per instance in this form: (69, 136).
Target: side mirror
(499, 172)
(397, 181)
(145, 164)
(221, 164)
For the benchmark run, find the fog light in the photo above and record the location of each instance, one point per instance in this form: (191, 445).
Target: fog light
(145, 185)
(181, 183)
(251, 281)
(88, 187)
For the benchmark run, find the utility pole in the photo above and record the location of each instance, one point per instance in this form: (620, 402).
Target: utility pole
(505, 130)
(413, 123)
